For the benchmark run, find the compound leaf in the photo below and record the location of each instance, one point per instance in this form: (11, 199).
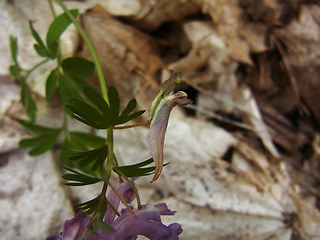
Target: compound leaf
(15, 71)
(52, 83)
(28, 102)
(77, 142)
(68, 88)
(79, 179)
(85, 113)
(135, 170)
(78, 67)
(83, 140)
(39, 47)
(129, 108)
(57, 27)
(91, 206)
(14, 49)
(41, 143)
(95, 157)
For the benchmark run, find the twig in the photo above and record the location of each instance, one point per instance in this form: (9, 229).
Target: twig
(146, 123)
(122, 199)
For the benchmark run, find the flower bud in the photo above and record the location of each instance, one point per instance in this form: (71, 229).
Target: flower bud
(159, 125)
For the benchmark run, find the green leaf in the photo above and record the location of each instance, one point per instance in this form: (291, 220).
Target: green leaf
(78, 67)
(114, 104)
(54, 50)
(130, 107)
(28, 102)
(39, 47)
(97, 115)
(99, 224)
(52, 83)
(85, 113)
(14, 49)
(41, 130)
(41, 52)
(67, 89)
(95, 158)
(79, 179)
(40, 144)
(126, 118)
(57, 27)
(96, 99)
(135, 170)
(84, 141)
(15, 71)
(76, 142)
(91, 206)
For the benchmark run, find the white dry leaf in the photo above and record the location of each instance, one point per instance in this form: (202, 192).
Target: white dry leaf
(231, 98)
(125, 8)
(258, 202)
(33, 201)
(209, 50)
(249, 199)
(10, 131)
(150, 14)
(301, 38)
(248, 108)
(242, 37)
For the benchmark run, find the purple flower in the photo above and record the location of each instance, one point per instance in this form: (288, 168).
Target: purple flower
(160, 112)
(73, 228)
(147, 222)
(126, 191)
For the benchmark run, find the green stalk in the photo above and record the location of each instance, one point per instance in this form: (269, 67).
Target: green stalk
(91, 49)
(28, 71)
(52, 8)
(104, 90)
(110, 162)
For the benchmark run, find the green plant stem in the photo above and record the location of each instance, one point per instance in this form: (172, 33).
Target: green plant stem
(52, 8)
(93, 218)
(135, 190)
(146, 123)
(122, 200)
(28, 71)
(91, 49)
(110, 162)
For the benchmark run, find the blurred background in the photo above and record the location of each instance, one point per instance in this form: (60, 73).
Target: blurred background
(244, 157)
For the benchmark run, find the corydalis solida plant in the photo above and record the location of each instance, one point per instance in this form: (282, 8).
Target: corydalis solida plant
(90, 159)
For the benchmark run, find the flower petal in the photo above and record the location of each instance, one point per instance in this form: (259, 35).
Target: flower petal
(126, 191)
(159, 125)
(166, 87)
(73, 228)
(147, 223)
(163, 209)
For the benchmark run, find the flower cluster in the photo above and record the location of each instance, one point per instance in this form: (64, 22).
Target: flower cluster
(146, 222)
